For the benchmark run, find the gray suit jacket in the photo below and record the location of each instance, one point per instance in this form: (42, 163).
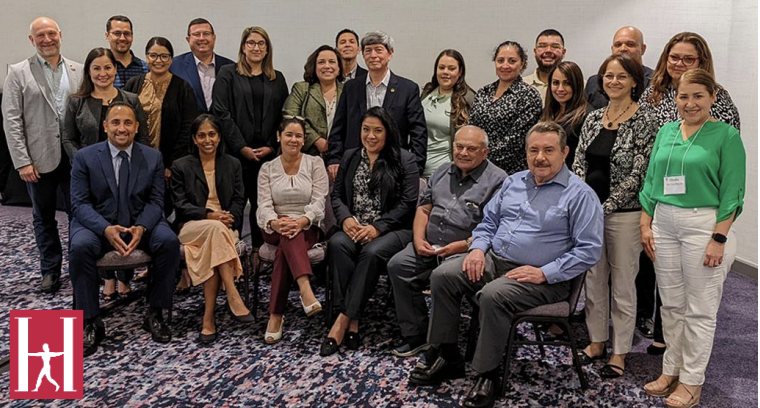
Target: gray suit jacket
(30, 118)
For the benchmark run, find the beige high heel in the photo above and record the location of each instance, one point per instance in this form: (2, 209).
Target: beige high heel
(681, 402)
(664, 392)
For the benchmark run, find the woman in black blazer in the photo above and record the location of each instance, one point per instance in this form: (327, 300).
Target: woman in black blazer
(209, 198)
(374, 200)
(169, 103)
(86, 109)
(248, 99)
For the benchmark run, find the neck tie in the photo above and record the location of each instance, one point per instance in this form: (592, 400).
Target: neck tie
(123, 217)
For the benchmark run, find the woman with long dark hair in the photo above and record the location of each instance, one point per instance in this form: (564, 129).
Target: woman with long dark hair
(446, 101)
(374, 200)
(566, 103)
(209, 199)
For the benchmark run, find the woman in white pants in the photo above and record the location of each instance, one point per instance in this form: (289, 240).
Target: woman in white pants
(693, 192)
(612, 157)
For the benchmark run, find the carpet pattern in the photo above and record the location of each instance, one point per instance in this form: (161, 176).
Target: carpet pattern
(240, 370)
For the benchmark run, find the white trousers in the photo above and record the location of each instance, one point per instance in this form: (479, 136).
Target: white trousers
(620, 264)
(690, 291)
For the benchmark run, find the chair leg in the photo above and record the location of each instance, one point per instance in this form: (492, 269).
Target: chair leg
(508, 358)
(328, 297)
(576, 358)
(472, 336)
(539, 337)
(247, 279)
(256, 277)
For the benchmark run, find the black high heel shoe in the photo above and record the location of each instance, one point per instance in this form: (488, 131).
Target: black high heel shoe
(353, 341)
(586, 359)
(247, 318)
(329, 347)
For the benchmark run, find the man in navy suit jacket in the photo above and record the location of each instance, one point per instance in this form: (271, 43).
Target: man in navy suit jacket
(111, 215)
(399, 96)
(200, 66)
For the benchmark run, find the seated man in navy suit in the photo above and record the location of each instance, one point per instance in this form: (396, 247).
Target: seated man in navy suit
(399, 96)
(200, 66)
(117, 199)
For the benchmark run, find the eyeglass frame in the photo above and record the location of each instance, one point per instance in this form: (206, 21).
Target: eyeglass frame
(119, 34)
(251, 45)
(154, 56)
(676, 59)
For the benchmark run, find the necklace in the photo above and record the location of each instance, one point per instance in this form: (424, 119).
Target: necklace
(607, 114)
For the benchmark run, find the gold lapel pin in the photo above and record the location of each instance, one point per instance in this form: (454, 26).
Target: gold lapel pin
(393, 90)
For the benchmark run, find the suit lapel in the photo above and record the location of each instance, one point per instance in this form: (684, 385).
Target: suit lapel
(390, 93)
(73, 77)
(315, 92)
(267, 98)
(362, 94)
(136, 165)
(39, 76)
(107, 164)
(192, 73)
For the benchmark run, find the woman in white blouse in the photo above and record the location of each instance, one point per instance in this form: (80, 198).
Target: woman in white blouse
(291, 208)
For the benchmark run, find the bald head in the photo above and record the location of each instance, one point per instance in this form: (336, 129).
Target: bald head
(629, 40)
(470, 148)
(45, 35)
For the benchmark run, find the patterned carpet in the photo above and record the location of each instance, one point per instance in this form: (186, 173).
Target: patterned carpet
(240, 370)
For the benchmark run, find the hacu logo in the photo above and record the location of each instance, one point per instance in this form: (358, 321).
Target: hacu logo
(46, 354)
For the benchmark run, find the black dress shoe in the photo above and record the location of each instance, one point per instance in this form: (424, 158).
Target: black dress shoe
(409, 349)
(50, 283)
(93, 336)
(159, 331)
(207, 339)
(437, 372)
(586, 359)
(353, 341)
(645, 327)
(653, 350)
(482, 394)
(246, 318)
(329, 347)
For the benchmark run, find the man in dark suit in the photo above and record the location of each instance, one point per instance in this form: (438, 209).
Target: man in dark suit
(200, 66)
(117, 199)
(399, 96)
(347, 44)
(627, 40)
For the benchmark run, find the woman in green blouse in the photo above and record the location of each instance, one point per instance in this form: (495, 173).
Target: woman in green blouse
(446, 101)
(693, 192)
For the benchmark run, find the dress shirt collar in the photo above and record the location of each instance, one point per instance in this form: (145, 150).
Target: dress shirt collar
(385, 81)
(115, 151)
(474, 174)
(562, 178)
(44, 62)
(210, 64)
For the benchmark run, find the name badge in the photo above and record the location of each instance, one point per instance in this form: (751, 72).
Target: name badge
(675, 185)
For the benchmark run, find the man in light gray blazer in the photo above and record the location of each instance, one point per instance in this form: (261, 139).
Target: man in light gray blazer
(34, 101)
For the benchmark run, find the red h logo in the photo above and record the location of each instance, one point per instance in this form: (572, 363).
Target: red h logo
(46, 352)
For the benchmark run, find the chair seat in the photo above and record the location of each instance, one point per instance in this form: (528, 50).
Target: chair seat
(113, 260)
(559, 309)
(316, 253)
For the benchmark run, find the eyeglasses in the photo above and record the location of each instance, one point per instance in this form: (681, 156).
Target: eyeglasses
(553, 46)
(253, 44)
(163, 57)
(687, 60)
(117, 34)
(612, 77)
(202, 34)
(289, 117)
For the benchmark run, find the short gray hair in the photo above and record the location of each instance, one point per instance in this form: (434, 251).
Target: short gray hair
(377, 37)
(476, 129)
(549, 127)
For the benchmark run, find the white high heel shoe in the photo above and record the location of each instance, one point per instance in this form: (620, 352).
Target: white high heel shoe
(312, 309)
(273, 338)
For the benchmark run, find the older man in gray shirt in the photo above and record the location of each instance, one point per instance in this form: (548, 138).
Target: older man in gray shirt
(450, 208)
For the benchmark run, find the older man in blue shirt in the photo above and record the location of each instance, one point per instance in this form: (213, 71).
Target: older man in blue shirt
(542, 228)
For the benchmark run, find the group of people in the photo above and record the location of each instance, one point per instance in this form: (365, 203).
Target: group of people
(445, 187)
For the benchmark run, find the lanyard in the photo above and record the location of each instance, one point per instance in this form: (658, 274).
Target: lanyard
(683, 159)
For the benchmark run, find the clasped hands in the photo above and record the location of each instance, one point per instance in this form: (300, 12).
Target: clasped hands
(475, 262)
(360, 234)
(289, 227)
(424, 248)
(225, 217)
(256, 154)
(113, 235)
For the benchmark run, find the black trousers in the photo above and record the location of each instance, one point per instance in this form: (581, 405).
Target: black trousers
(356, 267)
(87, 247)
(647, 296)
(44, 195)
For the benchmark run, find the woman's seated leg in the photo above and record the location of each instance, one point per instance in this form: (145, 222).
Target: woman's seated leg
(227, 275)
(210, 290)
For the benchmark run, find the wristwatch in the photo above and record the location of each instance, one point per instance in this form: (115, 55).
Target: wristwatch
(468, 241)
(719, 238)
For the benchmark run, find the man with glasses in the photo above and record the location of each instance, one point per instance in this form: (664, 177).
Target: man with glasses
(36, 90)
(119, 35)
(549, 52)
(200, 66)
(450, 208)
(627, 40)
